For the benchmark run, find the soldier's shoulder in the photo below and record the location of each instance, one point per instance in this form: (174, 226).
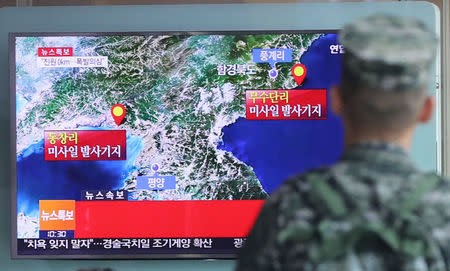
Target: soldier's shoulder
(434, 207)
(301, 182)
(443, 181)
(296, 190)
(439, 192)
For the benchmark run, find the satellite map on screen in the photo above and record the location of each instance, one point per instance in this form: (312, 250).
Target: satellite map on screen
(168, 117)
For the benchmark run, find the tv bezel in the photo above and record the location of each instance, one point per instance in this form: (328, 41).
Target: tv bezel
(13, 146)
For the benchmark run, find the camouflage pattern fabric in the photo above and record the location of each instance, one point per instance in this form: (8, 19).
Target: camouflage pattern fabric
(388, 53)
(372, 211)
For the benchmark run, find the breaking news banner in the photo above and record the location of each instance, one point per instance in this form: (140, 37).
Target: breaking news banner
(61, 246)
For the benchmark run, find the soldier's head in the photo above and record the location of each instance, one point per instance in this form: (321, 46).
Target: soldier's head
(386, 76)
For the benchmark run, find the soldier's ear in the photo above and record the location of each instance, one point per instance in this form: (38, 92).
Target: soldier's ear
(336, 100)
(426, 112)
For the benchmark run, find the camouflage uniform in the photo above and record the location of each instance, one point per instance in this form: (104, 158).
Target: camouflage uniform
(373, 210)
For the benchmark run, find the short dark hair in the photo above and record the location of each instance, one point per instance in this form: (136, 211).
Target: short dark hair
(379, 111)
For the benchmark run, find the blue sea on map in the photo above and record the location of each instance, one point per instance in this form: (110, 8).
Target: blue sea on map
(279, 149)
(38, 179)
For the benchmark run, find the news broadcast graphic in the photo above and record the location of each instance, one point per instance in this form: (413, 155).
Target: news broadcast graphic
(286, 104)
(163, 145)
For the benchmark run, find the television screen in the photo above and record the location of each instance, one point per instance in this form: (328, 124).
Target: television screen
(160, 144)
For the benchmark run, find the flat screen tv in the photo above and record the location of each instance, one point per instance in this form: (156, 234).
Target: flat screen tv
(162, 144)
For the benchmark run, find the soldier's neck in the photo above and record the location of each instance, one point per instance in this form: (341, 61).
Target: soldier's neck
(403, 140)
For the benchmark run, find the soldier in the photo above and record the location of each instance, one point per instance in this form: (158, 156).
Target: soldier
(373, 210)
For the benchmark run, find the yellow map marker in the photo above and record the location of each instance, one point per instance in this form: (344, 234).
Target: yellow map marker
(118, 112)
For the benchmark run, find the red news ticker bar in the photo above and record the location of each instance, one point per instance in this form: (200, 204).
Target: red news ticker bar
(169, 219)
(286, 104)
(55, 51)
(85, 145)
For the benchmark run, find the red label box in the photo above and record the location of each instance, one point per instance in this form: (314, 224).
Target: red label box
(286, 104)
(76, 145)
(55, 51)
